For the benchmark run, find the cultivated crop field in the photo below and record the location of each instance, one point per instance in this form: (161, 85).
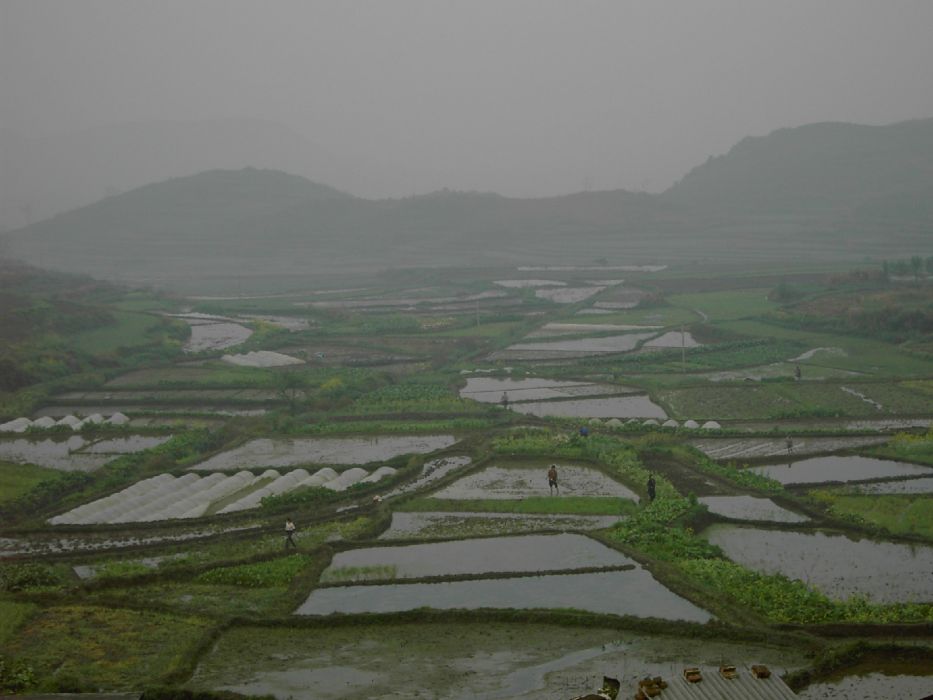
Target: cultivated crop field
(433, 552)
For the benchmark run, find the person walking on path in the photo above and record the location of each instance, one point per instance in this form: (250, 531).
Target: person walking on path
(552, 480)
(651, 488)
(289, 534)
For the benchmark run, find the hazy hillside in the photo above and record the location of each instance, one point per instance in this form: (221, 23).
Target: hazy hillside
(819, 170)
(825, 191)
(52, 175)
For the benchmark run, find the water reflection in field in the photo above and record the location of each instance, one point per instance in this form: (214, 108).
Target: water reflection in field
(633, 592)
(846, 468)
(836, 565)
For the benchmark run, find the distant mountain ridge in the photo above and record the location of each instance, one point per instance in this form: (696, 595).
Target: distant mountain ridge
(827, 189)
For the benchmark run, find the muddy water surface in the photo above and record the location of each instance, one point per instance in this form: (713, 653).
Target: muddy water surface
(844, 468)
(506, 481)
(215, 336)
(614, 407)
(54, 454)
(286, 452)
(527, 553)
(446, 524)
(752, 448)
(750, 508)
(489, 390)
(595, 346)
(457, 661)
(126, 445)
(633, 592)
(834, 564)
(431, 471)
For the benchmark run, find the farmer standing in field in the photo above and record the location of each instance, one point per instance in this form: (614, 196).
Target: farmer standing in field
(289, 534)
(552, 480)
(651, 488)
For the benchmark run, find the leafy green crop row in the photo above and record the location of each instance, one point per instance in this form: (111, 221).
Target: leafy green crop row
(275, 572)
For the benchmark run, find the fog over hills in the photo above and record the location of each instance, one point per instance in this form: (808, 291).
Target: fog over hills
(840, 190)
(42, 177)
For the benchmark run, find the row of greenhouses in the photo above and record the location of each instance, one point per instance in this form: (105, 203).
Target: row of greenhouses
(166, 497)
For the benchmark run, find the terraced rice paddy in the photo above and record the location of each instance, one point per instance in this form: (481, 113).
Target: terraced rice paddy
(72, 454)
(633, 592)
(838, 566)
(845, 469)
(613, 407)
(564, 349)
(453, 524)
(458, 661)
(530, 553)
(215, 335)
(491, 390)
(288, 452)
(506, 481)
(750, 508)
(431, 471)
(760, 448)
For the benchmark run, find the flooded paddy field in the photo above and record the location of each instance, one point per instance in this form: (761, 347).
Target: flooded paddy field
(750, 508)
(567, 295)
(460, 524)
(62, 454)
(138, 412)
(520, 480)
(179, 397)
(58, 543)
(673, 339)
(762, 448)
(614, 407)
(287, 452)
(550, 330)
(582, 347)
(431, 471)
(215, 335)
(491, 390)
(843, 468)
(634, 592)
(458, 661)
(527, 553)
(838, 566)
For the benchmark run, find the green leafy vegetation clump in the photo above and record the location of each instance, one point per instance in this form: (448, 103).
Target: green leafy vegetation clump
(272, 573)
(780, 599)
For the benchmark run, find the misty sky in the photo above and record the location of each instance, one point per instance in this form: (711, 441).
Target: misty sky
(526, 98)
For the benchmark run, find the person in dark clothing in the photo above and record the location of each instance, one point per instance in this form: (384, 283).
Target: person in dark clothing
(290, 533)
(552, 479)
(651, 488)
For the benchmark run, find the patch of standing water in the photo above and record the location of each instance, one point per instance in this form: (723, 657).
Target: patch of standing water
(612, 407)
(567, 295)
(287, 452)
(527, 553)
(447, 524)
(517, 482)
(457, 661)
(672, 339)
(522, 284)
(125, 445)
(844, 468)
(749, 448)
(839, 567)
(592, 346)
(54, 454)
(633, 592)
(489, 390)
(215, 336)
(750, 508)
(431, 471)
